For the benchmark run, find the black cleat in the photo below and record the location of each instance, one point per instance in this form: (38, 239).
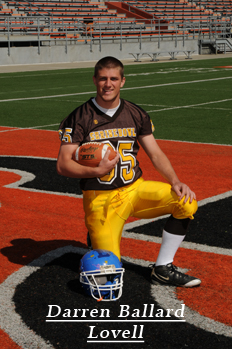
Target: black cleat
(168, 275)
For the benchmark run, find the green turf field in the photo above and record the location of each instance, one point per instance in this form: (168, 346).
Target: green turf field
(187, 100)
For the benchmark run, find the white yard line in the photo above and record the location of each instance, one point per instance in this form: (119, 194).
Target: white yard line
(27, 128)
(47, 97)
(124, 89)
(190, 105)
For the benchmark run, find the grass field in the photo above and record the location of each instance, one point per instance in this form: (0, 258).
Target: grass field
(43, 233)
(187, 100)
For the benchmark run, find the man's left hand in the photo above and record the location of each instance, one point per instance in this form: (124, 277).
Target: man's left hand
(182, 190)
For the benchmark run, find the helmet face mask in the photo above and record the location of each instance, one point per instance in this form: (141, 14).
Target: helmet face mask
(101, 275)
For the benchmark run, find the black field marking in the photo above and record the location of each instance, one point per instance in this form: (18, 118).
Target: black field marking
(57, 283)
(46, 177)
(211, 226)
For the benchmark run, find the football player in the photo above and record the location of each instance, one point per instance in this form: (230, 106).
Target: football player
(115, 189)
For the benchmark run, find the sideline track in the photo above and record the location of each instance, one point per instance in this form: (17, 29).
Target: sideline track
(13, 68)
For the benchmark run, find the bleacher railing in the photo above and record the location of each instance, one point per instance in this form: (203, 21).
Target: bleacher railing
(44, 30)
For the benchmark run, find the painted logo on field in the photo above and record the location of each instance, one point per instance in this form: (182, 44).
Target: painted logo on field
(44, 237)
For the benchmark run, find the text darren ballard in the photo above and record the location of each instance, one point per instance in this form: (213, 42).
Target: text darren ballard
(148, 311)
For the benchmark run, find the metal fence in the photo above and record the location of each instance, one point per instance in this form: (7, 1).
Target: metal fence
(44, 30)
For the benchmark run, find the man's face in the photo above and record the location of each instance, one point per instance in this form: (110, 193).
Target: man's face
(108, 83)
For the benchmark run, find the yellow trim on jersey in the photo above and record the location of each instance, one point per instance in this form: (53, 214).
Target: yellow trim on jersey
(112, 133)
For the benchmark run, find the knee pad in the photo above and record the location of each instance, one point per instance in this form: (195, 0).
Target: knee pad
(186, 210)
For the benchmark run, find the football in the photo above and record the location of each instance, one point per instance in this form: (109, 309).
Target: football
(90, 154)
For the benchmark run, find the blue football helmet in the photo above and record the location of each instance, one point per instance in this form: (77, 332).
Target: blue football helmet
(101, 275)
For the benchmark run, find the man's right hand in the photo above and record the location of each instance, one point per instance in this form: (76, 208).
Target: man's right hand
(106, 165)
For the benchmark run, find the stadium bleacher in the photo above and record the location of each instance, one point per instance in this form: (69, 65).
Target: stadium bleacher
(223, 8)
(75, 19)
(177, 11)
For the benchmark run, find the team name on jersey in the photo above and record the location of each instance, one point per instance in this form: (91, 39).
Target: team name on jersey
(112, 133)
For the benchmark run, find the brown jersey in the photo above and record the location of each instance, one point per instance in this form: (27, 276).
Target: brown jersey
(87, 123)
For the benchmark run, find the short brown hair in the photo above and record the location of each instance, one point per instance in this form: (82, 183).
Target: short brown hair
(109, 62)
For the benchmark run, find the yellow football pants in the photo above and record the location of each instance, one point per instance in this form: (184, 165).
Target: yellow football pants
(106, 211)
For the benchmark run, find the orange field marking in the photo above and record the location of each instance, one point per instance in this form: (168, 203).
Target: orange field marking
(225, 66)
(34, 223)
(204, 167)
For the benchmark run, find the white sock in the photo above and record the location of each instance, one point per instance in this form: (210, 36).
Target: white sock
(169, 246)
